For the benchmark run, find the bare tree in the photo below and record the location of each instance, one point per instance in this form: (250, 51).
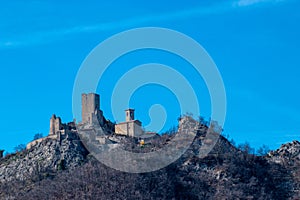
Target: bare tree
(263, 150)
(20, 147)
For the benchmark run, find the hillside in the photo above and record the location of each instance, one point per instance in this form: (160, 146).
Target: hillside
(63, 169)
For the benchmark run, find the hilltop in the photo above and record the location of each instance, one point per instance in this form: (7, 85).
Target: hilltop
(65, 164)
(64, 169)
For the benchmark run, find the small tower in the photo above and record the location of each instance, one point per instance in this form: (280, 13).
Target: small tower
(55, 125)
(129, 115)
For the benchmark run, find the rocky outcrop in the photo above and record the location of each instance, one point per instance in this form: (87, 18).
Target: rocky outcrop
(288, 153)
(66, 152)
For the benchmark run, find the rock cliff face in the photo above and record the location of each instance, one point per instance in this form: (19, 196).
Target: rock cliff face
(288, 155)
(49, 155)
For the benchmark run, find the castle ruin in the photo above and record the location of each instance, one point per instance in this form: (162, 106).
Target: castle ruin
(91, 114)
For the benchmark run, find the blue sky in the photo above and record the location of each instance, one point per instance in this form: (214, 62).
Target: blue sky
(254, 43)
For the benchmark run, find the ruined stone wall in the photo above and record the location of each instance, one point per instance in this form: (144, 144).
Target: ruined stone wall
(36, 142)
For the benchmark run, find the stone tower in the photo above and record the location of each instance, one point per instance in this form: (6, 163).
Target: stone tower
(91, 108)
(55, 125)
(129, 114)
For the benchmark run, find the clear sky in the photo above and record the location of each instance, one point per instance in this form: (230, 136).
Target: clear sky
(254, 43)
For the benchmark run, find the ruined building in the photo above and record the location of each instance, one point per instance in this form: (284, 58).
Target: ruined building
(57, 130)
(55, 125)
